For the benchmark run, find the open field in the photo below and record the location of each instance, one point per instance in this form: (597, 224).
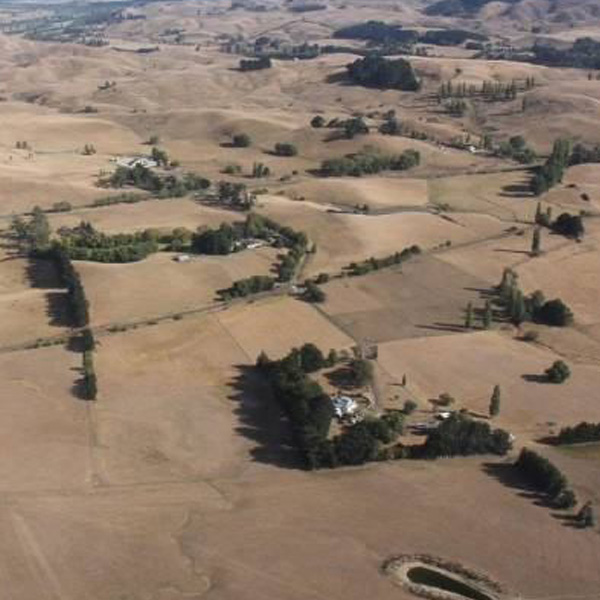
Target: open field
(342, 238)
(31, 301)
(183, 480)
(425, 297)
(158, 285)
(468, 365)
(277, 325)
(43, 426)
(152, 214)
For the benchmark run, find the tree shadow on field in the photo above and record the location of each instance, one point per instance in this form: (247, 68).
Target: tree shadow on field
(42, 274)
(535, 378)
(262, 422)
(517, 190)
(448, 327)
(509, 476)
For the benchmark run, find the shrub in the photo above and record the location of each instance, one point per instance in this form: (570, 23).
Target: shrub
(285, 149)
(241, 140)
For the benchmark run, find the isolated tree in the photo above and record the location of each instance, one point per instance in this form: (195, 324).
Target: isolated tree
(404, 380)
(558, 372)
(536, 242)
(285, 149)
(517, 307)
(317, 122)
(487, 315)
(469, 316)
(409, 407)
(495, 402)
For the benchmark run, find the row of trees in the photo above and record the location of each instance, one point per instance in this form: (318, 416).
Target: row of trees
(369, 163)
(374, 264)
(546, 477)
(79, 309)
(552, 171)
(491, 91)
(579, 434)
(248, 286)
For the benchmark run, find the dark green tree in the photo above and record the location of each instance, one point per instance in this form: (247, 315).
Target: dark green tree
(558, 372)
(495, 402)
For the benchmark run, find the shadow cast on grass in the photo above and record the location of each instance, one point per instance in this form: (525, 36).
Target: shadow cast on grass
(262, 422)
(535, 378)
(509, 476)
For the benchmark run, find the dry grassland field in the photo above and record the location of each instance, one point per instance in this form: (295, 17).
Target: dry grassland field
(175, 221)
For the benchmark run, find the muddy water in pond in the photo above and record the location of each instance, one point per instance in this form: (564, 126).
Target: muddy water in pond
(435, 579)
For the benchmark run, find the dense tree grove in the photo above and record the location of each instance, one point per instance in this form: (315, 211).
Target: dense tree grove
(461, 436)
(251, 285)
(264, 62)
(381, 33)
(545, 477)
(583, 54)
(378, 72)
(84, 242)
(579, 434)
(369, 163)
(310, 412)
(163, 186)
(234, 195)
